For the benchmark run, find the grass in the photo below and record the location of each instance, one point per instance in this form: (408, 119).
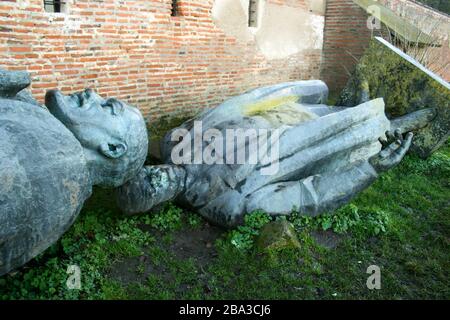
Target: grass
(401, 224)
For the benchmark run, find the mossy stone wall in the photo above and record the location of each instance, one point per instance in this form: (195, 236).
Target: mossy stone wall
(405, 88)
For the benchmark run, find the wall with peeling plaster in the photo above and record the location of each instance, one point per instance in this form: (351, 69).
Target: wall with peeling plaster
(281, 31)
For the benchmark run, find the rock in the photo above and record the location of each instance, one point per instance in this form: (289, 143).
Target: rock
(277, 235)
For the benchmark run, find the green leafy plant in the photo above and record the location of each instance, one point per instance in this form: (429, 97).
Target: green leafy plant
(194, 220)
(168, 218)
(243, 236)
(436, 165)
(348, 219)
(341, 221)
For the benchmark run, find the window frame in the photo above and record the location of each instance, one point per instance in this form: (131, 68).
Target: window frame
(61, 4)
(174, 10)
(253, 13)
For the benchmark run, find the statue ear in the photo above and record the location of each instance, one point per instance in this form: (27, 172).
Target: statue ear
(113, 150)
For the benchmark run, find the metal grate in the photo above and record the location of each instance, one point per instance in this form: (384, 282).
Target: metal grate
(54, 5)
(253, 13)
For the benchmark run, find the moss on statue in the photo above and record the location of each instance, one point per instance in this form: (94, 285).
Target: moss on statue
(405, 88)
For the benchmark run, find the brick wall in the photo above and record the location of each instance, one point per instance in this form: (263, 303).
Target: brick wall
(345, 40)
(134, 50)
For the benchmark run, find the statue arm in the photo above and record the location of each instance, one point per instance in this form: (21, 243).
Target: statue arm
(336, 189)
(153, 185)
(315, 194)
(322, 193)
(325, 192)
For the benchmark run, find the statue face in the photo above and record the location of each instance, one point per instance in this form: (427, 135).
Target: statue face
(112, 133)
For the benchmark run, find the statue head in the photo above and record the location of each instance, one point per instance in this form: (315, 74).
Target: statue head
(113, 134)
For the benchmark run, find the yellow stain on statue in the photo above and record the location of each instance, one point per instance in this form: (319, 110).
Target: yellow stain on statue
(261, 107)
(279, 111)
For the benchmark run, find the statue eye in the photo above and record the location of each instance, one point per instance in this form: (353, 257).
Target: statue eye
(106, 106)
(74, 99)
(116, 106)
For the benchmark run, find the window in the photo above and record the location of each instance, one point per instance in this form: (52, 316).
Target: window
(253, 13)
(55, 6)
(174, 11)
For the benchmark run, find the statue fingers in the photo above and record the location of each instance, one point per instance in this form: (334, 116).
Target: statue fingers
(398, 154)
(389, 150)
(398, 135)
(383, 141)
(405, 145)
(390, 135)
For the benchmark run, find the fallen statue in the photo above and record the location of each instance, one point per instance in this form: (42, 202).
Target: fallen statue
(51, 156)
(326, 156)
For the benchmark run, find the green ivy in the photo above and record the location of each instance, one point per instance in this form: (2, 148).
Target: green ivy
(348, 219)
(243, 236)
(168, 218)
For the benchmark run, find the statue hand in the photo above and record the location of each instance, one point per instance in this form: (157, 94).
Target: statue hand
(394, 149)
